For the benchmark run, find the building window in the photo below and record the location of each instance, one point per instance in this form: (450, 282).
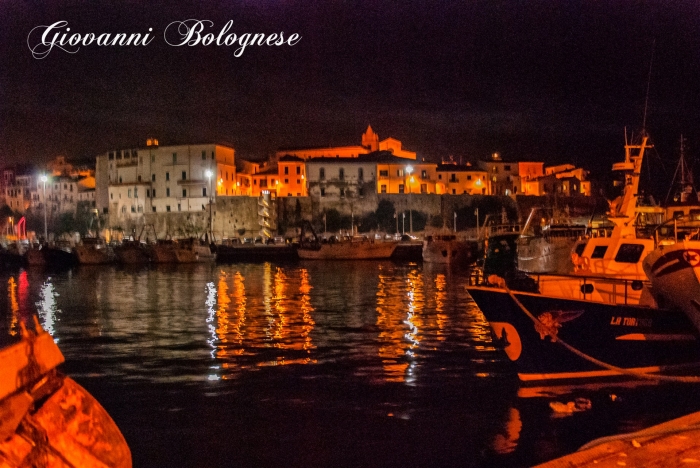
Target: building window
(360, 174)
(153, 177)
(298, 181)
(133, 209)
(423, 174)
(286, 181)
(322, 173)
(440, 176)
(167, 192)
(128, 195)
(204, 192)
(454, 191)
(153, 208)
(342, 193)
(153, 159)
(111, 196)
(167, 208)
(401, 188)
(184, 175)
(423, 188)
(382, 188)
(111, 155)
(184, 193)
(174, 158)
(204, 155)
(506, 168)
(298, 170)
(469, 177)
(212, 155)
(167, 176)
(136, 193)
(399, 172)
(263, 183)
(286, 170)
(323, 191)
(383, 173)
(154, 193)
(179, 207)
(341, 173)
(148, 193)
(453, 177)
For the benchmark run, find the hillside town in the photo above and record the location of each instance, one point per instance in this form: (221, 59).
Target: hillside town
(154, 184)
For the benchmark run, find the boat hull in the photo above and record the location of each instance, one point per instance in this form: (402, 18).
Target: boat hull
(348, 251)
(449, 252)
(132, 254)
(629, 337)
(674, 272)
(87, 255)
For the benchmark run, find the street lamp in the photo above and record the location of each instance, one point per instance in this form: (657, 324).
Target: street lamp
(44, 179)
(409, 170)
(209, 173)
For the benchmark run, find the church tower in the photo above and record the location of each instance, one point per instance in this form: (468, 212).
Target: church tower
(370, 140)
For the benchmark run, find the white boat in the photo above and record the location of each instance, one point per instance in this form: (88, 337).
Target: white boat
(349, 249)
(93, 251)
(193, 251)
(449, 249)
(608, 259)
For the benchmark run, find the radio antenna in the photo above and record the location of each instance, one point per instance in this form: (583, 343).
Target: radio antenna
(646, 100)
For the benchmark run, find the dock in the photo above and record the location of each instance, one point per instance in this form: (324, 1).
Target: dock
(673, 443)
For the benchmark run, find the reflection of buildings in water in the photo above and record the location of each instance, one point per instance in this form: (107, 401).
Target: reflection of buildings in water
(507, 441)
(47, 308)
(14, 306)
(18, 297)
(400, 305)
(440, 298)
(259, 315)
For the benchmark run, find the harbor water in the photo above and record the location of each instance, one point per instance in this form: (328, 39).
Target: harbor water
(310, 364)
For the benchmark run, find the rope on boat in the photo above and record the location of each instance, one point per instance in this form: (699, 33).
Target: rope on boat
(605, 365)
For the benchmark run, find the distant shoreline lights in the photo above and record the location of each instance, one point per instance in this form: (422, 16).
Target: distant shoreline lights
(42, 39)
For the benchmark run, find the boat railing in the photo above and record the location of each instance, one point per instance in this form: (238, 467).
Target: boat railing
(612, 290)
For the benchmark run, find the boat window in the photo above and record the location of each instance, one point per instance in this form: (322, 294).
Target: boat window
(580, 248)
(599, 251)
(695, 215)
(629, 253)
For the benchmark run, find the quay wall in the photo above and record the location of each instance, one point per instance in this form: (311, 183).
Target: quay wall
(238, 216)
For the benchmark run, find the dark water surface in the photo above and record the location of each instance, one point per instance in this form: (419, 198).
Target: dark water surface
(308, 364)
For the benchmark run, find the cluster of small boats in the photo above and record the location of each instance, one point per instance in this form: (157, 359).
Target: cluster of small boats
(95, 251)
(628, 306)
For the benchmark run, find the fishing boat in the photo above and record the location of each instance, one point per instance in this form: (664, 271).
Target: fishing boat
(132, 252)
(546, 242)
(604, 310)
(47, 418)
(449, 249)
(193, 251)
(93, 251)
(163, 251)
(56, 255)
(349, 248)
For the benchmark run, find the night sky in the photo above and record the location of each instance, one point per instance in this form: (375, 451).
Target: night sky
(556, 81)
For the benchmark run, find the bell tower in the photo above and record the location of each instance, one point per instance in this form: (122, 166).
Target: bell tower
(370, 140)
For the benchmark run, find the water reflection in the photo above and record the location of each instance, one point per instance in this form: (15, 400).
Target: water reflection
(507, 441)
(47, 308)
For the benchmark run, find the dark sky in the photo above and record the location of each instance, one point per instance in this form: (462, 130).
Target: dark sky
(547, 80)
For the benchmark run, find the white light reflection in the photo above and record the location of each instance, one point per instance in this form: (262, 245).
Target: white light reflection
(47, 308)
(211, 315)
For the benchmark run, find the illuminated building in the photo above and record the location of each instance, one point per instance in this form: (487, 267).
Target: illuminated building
(163, 178)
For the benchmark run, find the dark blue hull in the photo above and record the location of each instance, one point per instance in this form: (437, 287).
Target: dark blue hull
(629, 337)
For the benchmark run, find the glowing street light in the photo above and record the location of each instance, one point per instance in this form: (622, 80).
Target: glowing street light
(43, 178)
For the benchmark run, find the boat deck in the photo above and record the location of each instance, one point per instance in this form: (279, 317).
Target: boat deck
(673, 443)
